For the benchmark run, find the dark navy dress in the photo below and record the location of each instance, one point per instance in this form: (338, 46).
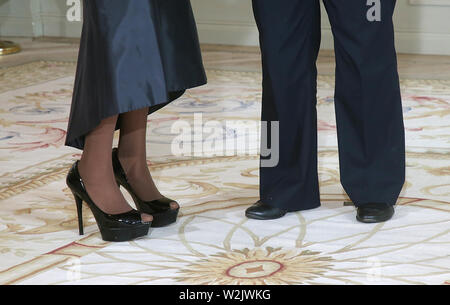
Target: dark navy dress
(133, 54)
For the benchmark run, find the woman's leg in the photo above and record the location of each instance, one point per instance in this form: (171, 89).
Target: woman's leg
(133, 156)
(97, 172)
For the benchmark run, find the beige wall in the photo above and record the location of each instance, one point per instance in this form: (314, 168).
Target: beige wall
(422, 26)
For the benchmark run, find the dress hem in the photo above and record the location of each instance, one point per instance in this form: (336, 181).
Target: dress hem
(78, 140)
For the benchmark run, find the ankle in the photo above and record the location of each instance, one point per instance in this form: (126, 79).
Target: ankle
(133, 167)
(81, 169)
(96, 175)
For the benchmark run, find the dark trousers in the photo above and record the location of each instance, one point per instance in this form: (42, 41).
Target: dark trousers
(367, 100)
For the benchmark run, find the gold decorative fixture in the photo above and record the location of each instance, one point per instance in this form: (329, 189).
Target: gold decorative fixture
(8, 47)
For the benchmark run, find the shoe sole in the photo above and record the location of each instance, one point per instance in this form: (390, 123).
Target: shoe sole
(124, 234)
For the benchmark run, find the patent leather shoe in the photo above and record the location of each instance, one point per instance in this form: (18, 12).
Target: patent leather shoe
(113, 227)
(160, 209)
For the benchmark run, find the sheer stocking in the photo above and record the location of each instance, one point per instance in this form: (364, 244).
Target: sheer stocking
(133, 156)
(95, 168)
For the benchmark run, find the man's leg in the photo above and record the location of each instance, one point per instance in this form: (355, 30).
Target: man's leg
(368, 103)
(289, 40)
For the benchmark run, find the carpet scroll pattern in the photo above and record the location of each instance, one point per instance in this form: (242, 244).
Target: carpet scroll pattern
(213, 242)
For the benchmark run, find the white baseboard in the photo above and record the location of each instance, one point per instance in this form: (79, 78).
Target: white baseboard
(430, 2)
(231, 34)
(16, 26)
(244, 34)
(58, 26)
(50, 26)
(247, 35)
(423, 43)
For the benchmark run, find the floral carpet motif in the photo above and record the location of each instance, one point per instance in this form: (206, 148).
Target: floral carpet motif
(213, 242)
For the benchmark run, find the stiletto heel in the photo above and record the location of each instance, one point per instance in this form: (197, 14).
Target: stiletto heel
(120, 227)
(79, 203)
(160, 209)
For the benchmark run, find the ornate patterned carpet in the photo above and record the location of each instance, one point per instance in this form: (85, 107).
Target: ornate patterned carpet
(212, 242)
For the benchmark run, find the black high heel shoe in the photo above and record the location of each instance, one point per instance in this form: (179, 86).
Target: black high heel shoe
(121, 227)
(160, 209)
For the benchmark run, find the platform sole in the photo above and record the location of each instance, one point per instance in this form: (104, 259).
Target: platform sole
(124, 234)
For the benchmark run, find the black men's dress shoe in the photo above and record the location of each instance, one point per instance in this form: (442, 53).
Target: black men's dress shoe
(262, 211)
(374, 212)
